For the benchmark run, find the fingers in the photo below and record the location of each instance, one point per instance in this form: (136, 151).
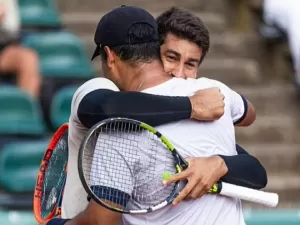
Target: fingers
(223, 97)
(184, 192)
(176, 177)
(198, 191)
(189, 160)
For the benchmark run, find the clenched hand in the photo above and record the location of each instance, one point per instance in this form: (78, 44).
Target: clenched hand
(207, 104)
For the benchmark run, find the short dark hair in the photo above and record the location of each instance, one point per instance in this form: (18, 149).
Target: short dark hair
(183, 24)
(143, 52)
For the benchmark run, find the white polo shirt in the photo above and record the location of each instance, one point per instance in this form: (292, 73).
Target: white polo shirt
(191, 138)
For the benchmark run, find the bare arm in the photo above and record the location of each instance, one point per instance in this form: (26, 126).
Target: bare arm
(95, 214)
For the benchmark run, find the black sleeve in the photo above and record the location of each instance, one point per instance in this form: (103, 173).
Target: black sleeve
(245, 170)
(245, 111)
(153, 109)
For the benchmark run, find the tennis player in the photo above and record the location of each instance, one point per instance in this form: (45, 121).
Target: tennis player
(136, 54)
(184, 43)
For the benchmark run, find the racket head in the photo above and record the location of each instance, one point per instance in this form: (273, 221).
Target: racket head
(106, 140)
(51, 177)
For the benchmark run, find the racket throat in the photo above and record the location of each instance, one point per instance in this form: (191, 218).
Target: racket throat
(180, 161)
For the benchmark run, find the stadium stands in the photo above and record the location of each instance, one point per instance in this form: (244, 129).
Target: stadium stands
(62, 55)
(17, 218)
(20, 114)
(61, 106)
(23, 134)
(39, 14)
(19, 163)
(63, 61)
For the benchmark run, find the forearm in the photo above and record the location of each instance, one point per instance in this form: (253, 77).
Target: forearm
(81, 219)
(244, 170)
(95, 214)
(155, 110)
(78, 220)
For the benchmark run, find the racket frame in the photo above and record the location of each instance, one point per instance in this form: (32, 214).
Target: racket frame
(181, 164)
(222, 188)
(38, 190)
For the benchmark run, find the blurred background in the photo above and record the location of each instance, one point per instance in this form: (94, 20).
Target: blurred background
(45, 50)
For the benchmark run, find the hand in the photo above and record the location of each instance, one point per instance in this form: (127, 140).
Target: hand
(207, 104)
(202, 174)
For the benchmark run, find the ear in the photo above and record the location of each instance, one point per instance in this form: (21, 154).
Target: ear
(110, 56)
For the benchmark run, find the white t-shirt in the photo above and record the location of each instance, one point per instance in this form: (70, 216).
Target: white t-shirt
(191, 138)
(75, 197)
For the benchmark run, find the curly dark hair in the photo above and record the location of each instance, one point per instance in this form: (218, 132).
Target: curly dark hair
(183, 24)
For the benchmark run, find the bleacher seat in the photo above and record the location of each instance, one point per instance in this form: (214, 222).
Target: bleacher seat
(19, 113)
(61, 106)
(39, 14)
(63, 61)
(19, 163)
(272, 217)
(62, 55)
(17, 218)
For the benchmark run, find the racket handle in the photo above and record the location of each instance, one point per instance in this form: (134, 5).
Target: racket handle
(248, 194)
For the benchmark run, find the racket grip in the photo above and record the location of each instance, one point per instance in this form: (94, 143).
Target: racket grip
(261, 197)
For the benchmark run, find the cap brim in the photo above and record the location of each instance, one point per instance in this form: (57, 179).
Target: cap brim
(96, 52)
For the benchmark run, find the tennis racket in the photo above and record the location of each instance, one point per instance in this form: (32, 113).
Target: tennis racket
(51, 177)
(122, 163)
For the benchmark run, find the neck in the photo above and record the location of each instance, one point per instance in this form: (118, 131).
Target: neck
(146, 76)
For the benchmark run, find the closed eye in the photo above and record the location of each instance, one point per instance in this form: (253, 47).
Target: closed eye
(191, 65)
(171, 58)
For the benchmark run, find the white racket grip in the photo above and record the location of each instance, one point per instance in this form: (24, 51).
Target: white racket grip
(261, 197)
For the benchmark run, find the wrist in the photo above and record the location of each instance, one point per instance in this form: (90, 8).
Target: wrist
(192, 107)
(222, 165)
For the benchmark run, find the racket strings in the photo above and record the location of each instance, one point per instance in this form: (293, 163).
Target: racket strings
(123, 166)
(54, 177)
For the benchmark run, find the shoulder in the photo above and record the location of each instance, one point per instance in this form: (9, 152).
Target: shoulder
(92, 85)
(98, 83)
(203, 81)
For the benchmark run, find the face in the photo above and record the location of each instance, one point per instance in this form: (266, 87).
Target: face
(180, 57)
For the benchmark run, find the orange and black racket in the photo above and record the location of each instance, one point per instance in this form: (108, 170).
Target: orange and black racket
(51, 177)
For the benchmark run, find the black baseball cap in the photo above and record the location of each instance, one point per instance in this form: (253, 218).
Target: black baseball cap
(113, 28)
